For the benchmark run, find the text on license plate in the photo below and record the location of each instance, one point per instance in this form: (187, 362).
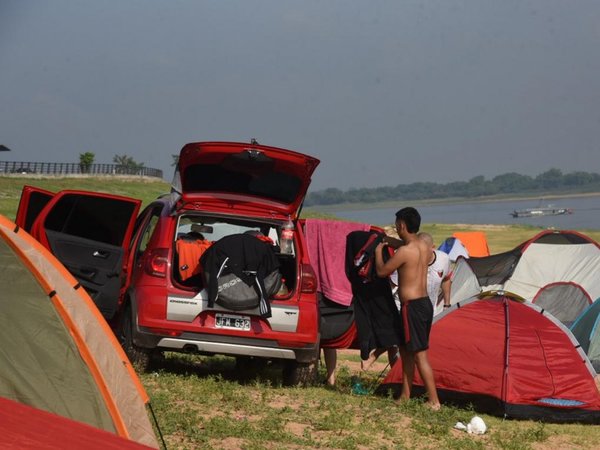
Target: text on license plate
(232, 321)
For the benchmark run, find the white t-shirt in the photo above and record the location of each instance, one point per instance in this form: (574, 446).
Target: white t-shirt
(394, 283)
(436, 273)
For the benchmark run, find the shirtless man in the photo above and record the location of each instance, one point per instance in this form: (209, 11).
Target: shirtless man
(411, 261)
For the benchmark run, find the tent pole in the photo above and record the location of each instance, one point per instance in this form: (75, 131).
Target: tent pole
(157, 426)
(506, 349)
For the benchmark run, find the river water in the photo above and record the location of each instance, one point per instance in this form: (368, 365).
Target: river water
(585, 216)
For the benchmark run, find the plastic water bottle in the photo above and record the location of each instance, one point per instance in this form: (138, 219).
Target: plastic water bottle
(286, 242)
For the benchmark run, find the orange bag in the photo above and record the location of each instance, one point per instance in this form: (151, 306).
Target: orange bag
(189, 252)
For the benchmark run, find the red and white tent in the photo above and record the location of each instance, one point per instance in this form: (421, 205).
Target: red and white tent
(510, 358)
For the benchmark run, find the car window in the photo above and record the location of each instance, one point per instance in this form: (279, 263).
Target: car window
(148, 229)
(100, 219)
(213, 230)
(244, 179)
(147, 234)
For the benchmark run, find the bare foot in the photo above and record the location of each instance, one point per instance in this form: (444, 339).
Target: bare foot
(400, 400)
(365, 364)
(433, 406)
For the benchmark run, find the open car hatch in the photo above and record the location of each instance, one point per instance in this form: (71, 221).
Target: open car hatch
(243, 177)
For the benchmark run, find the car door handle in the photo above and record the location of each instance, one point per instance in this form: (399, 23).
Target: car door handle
(100, 254)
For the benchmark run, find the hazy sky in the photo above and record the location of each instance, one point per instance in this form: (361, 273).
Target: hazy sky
(383, 92)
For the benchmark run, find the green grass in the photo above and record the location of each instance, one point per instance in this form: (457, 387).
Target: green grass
(146, 189)
(205, 403)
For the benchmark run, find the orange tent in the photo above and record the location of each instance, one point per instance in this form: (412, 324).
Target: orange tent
(474, 241)
(59, 354)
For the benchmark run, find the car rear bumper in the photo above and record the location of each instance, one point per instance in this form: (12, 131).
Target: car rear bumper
(226, 345)
(225, 348)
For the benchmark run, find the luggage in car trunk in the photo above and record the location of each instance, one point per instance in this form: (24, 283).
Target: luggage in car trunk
(241, 272)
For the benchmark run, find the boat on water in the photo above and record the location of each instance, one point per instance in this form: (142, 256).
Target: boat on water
(541, 211)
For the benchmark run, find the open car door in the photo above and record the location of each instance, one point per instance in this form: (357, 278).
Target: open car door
(31, 204)
(89, 232)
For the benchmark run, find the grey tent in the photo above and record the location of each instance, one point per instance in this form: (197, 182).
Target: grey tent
(556, 270)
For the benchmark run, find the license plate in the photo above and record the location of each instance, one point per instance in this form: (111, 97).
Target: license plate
(232, 322)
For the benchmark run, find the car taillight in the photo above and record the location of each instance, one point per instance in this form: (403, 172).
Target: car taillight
(157, 262)
(308, 282)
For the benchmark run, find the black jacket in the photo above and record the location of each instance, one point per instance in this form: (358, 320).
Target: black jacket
(245, 256)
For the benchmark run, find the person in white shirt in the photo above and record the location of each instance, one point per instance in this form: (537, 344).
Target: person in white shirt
(438, 276)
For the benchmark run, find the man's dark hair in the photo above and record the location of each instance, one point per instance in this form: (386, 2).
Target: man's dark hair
(411, 218)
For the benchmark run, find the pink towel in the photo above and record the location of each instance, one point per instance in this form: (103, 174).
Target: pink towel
(326, 242)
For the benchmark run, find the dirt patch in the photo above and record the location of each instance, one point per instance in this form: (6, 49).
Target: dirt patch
(281, 402)
(556, 443)
(229, 443)
(211, 414)
(295, 428)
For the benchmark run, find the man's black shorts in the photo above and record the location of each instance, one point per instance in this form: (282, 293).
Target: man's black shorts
(417, 316)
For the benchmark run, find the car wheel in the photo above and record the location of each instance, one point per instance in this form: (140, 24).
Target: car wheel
(299, 374)
(141, 358)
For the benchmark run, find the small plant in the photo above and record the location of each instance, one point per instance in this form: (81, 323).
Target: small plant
(522, 437)
(85, 161)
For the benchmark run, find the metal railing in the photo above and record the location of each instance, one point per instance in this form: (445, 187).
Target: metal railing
(45, 168)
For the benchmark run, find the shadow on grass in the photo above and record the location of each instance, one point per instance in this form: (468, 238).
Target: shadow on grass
(243, 370)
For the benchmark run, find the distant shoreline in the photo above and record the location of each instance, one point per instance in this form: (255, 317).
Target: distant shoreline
(446, 201)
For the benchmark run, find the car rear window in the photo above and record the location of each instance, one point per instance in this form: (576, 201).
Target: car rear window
(273, 185)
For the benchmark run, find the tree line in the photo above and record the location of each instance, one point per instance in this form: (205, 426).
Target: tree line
(125, 162)
(552, 180)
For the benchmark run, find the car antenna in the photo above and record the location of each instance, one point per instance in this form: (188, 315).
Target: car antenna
(254, 141)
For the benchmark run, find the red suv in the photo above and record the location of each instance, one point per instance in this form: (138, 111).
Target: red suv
(143, 270)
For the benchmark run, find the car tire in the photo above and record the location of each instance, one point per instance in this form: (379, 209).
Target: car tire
(299, 374)
(141, 358)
